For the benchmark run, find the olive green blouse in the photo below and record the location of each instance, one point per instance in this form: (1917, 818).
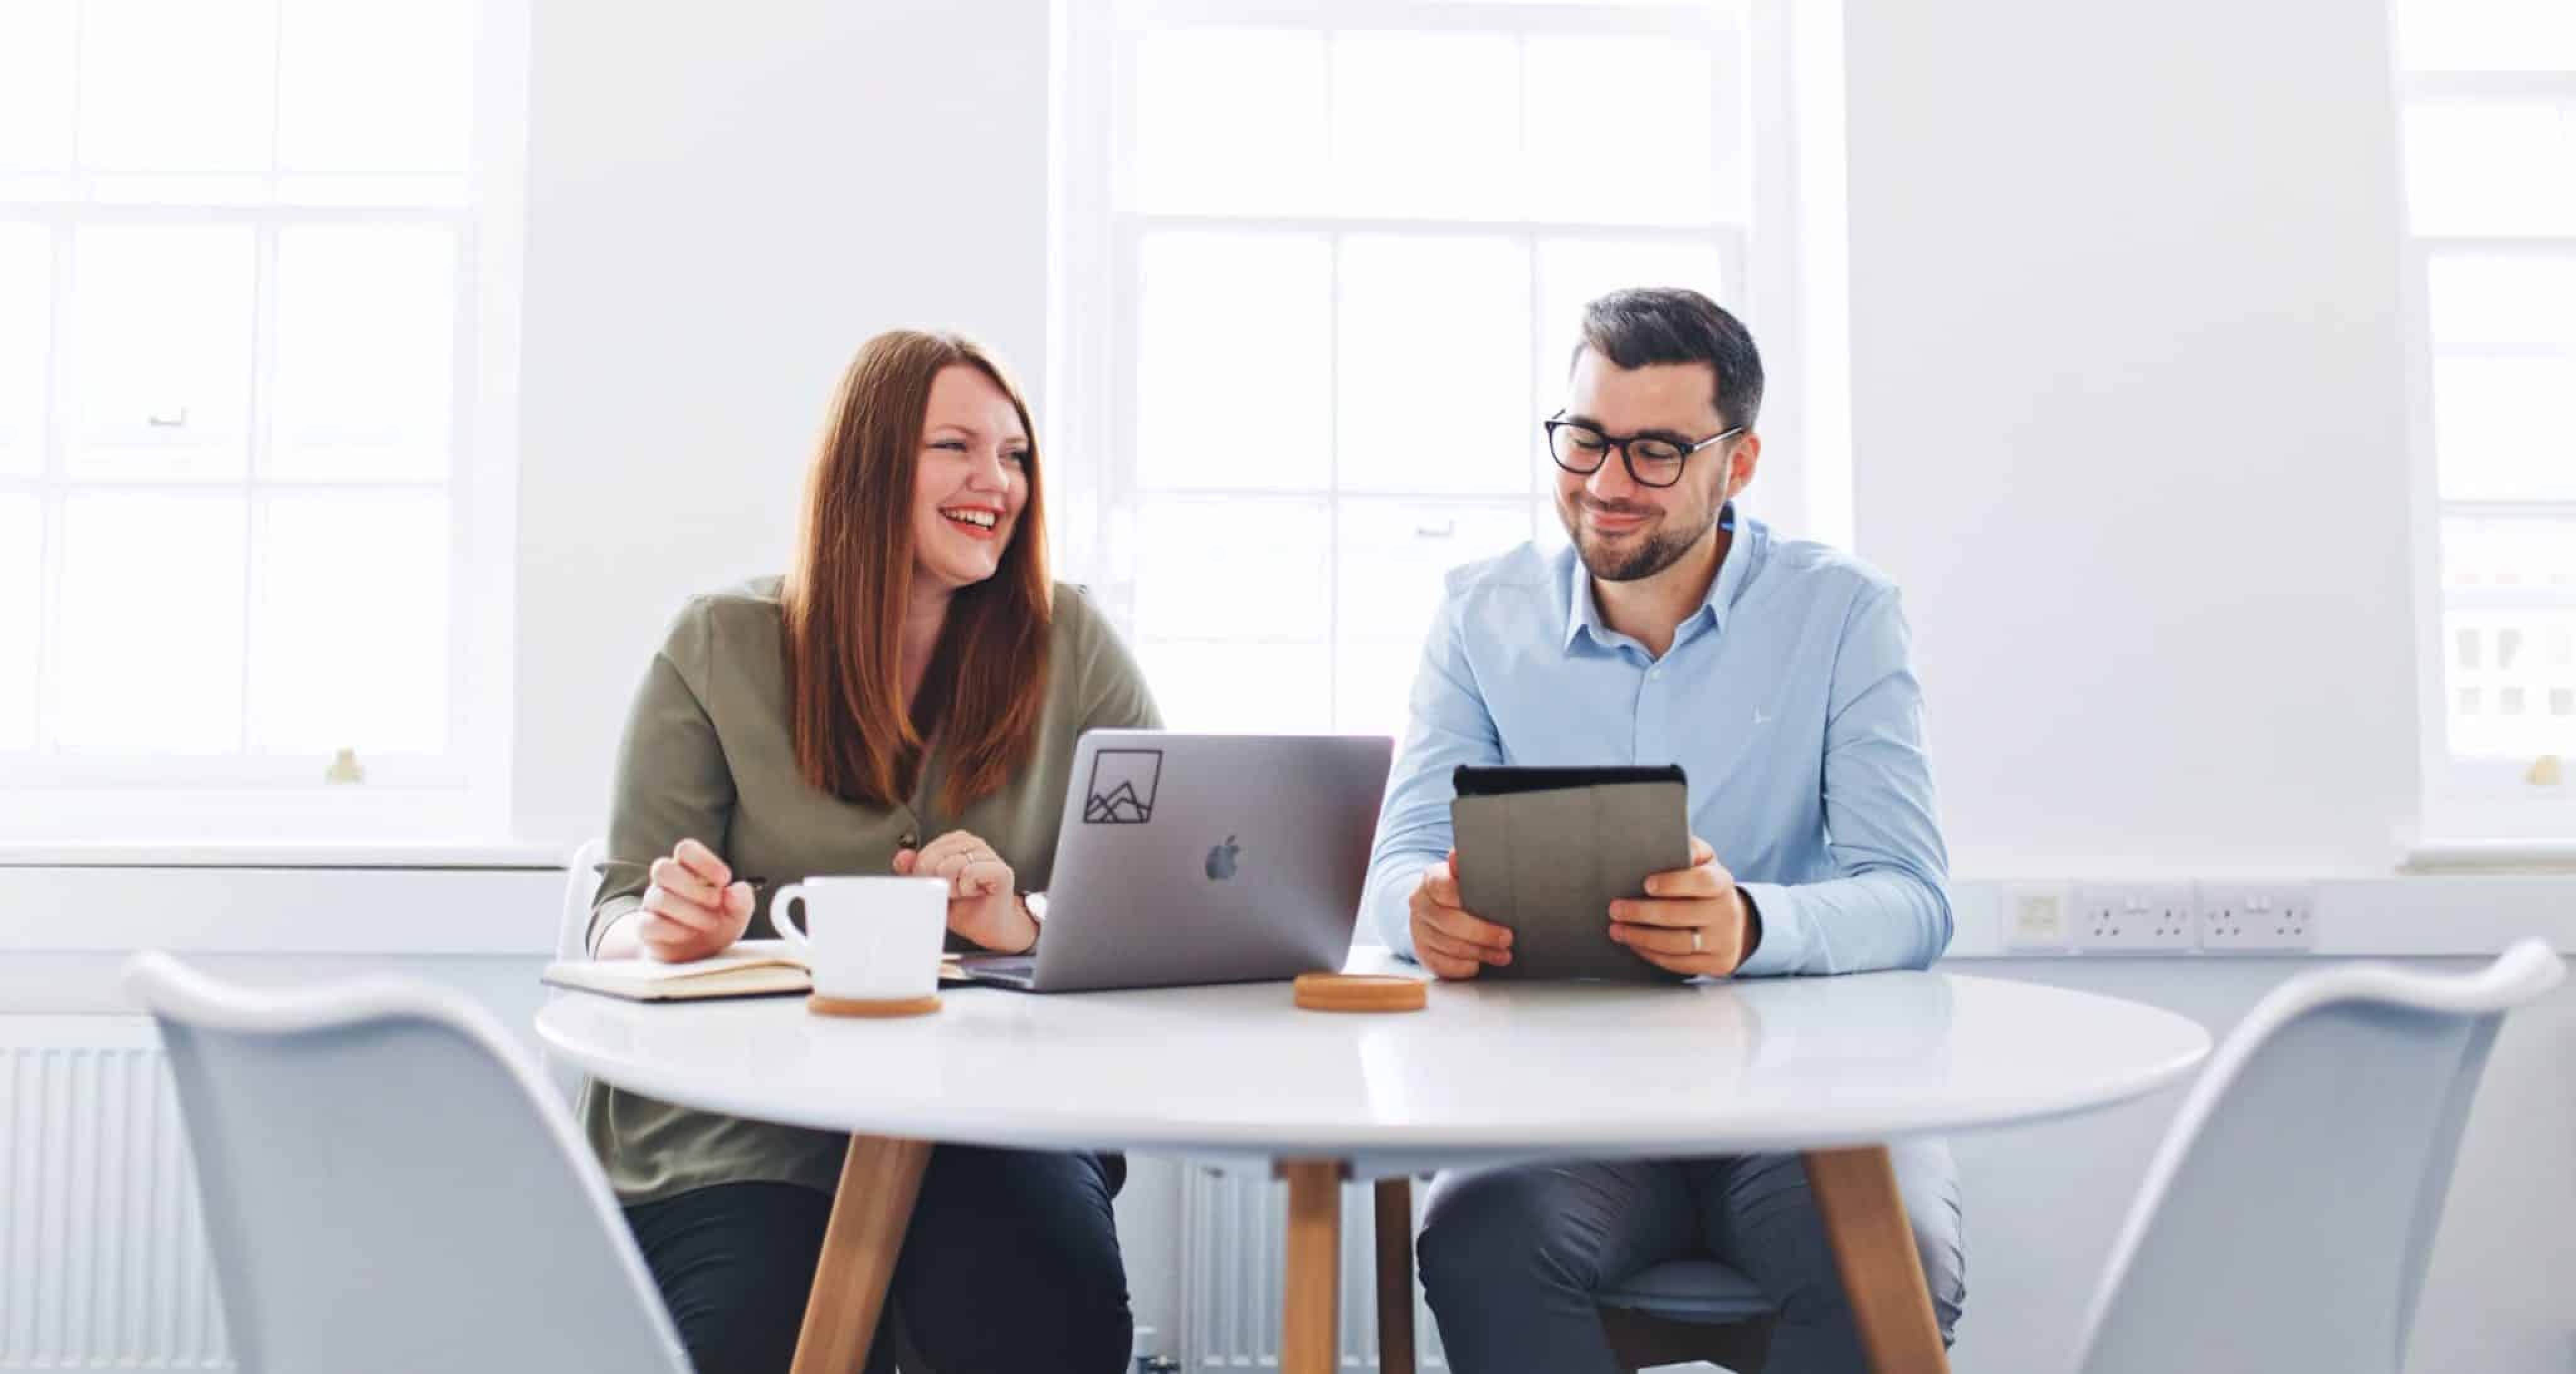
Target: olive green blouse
(707, 755)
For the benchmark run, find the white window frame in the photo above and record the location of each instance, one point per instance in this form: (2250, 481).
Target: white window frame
(1094, 253)
(2467, 804)
(464, 793)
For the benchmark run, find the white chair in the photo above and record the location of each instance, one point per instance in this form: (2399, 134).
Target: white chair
(388, 1184)
(2287, 1218)
(572, 941)
(581, 883)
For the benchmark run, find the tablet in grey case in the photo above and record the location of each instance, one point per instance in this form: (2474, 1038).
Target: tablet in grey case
(1546, 850)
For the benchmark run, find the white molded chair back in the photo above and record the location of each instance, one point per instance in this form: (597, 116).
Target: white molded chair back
(581, 883)
(389, 1184)
(572, 941)
(2288, 1215)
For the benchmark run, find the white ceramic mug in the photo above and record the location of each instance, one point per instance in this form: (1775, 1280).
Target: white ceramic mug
(873, 939)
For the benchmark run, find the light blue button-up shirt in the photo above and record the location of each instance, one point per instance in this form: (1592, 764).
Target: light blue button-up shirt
(1787, 698)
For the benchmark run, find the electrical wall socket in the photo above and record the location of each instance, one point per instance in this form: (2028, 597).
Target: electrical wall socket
(2253, 917)
(2135, 918)
(2037, 917)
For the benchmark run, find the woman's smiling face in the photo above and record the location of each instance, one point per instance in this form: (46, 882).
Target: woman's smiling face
(972, 479)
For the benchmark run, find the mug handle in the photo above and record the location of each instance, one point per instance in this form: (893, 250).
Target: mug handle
(779, 897)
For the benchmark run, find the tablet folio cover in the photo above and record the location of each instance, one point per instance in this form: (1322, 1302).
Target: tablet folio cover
(1546, 850)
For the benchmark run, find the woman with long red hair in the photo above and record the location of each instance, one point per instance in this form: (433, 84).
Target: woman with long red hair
(905, 699)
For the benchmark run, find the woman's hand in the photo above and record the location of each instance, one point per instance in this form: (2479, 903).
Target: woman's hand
(983, 905)
(694, 907)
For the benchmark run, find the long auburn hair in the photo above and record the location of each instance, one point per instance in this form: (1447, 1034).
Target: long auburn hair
(847, 590)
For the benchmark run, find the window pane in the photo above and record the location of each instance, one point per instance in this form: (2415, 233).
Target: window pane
(1234, 569)
(1589, 98)
(1427, 124)
(160, 352)
(22, 562)
(179, 86)
(1395, 555)
(2503, 298)
(1574, 272)
(2505, 428)
(374, 85)
(1434, 347)
(365, 341)
(151, 624)
(349, 627)
(1548, 521)
(1233, 380)
(2501, 708)
(2509, 555)
(1230, 121)
(2486, 35)
(36, 46)
(2491, 167)
(26, 322)
(1374, 681)
(1256, 687)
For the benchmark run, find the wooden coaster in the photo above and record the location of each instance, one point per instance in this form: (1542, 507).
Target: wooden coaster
(1360, 992)
(821, 1005)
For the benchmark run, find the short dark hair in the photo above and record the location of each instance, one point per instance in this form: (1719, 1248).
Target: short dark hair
(1671, 324)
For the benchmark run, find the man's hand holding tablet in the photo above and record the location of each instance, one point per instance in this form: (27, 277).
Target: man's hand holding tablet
(1692, 921)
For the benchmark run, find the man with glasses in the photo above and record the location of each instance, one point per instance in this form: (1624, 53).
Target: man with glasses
(1776, 672)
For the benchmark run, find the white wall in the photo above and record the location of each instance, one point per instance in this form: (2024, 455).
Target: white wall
(2126, 357)
(723, 202)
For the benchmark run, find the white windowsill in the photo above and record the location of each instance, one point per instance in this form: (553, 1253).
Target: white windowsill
(378, 854)
(2490, 856)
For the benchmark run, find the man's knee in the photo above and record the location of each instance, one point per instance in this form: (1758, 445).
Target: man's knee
(1941, 1247)
(1808, 1283)
(1502, 1231)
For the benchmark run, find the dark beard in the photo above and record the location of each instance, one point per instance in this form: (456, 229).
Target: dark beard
(1655, 554)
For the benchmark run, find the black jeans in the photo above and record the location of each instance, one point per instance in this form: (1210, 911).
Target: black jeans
(1011, 1264)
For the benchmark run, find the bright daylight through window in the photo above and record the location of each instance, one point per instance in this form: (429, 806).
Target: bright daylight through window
(240, 342)
(2489, 117)
(1289, 200)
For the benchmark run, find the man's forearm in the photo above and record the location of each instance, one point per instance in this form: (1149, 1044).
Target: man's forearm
(1881, 918)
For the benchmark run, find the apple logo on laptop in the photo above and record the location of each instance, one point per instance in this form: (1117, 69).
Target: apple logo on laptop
(1220, 864)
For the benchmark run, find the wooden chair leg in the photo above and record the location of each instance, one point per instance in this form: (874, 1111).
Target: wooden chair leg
(1395, 1275)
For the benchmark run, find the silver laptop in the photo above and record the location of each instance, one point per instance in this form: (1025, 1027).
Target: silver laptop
(1203, 859)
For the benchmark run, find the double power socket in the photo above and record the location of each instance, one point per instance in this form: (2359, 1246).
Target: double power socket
(2215, 917)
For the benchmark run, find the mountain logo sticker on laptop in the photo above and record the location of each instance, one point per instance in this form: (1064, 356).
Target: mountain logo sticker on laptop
(1122, 787)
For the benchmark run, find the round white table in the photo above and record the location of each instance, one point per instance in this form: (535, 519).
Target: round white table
(1833, 1067)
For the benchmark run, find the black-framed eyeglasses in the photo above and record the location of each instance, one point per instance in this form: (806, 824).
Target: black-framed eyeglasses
(1654, 460)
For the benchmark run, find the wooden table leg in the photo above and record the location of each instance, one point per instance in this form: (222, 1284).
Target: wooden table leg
(1395, 1275)
(1309, 1313)
(880, 1178)
(1874, 1246)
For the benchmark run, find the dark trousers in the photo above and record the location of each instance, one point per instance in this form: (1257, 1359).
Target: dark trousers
(1011, 1264)
(1511, 1257)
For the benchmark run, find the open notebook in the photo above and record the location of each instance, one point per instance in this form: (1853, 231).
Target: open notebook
(746, 968)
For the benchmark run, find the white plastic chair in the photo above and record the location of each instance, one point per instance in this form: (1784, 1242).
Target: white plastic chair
(581, 883)
(388, 1184)
(572, 941)
(2287, 1218)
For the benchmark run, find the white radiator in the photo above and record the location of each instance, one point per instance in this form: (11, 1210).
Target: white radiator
(1233, 1234)
(103, 1260)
